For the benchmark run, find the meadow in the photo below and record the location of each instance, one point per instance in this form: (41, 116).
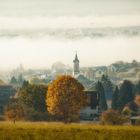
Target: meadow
(60, 131)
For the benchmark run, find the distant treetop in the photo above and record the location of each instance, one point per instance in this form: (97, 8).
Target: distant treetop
(2, 82)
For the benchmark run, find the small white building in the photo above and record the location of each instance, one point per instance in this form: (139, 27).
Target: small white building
(99, 73)
(113, 68)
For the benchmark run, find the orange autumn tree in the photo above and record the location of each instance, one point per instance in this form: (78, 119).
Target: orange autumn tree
(65, 97)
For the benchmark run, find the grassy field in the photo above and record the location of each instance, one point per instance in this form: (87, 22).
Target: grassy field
(59, 131)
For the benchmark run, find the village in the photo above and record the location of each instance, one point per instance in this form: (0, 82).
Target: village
(101, 91)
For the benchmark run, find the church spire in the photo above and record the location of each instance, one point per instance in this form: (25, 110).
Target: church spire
(76, 65)
(76, 58)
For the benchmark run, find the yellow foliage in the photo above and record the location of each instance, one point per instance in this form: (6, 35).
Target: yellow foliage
(137, 100)
(65, 96)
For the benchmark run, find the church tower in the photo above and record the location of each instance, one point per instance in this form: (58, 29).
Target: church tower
(76, 65)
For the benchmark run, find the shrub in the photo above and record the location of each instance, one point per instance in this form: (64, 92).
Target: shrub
(1, 118)
(126, 111)
(137, 122)
(14, 112)
(112, 117)
(73, 118)
(32, 115)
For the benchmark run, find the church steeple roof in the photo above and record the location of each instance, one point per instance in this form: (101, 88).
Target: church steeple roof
(76, 58)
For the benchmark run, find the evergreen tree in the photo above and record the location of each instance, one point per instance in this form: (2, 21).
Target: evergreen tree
(108, 86)
(138, 88)
(115, 98)
(25, 84)
(102, 98)
(125, 94)
(33, 96)
(20, 79)
(13, 81)
(103, 78)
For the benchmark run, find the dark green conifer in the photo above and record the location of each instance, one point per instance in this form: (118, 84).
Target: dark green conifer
(102, 98)
(115, 96)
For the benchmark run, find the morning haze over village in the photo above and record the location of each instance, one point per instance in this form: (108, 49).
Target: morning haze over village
(69, 69)
(111, 76)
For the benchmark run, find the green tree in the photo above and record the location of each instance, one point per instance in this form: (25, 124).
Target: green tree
(13, 81)
(20, 80)
(126, 94)
(115, 98)
(25, 84)
(102, 98)
(138, 87)
(32, 98)
(108, 86)
(65, 97)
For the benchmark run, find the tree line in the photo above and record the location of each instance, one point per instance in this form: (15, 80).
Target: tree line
(63, 98)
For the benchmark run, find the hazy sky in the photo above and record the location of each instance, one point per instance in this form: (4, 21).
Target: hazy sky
(37, 33)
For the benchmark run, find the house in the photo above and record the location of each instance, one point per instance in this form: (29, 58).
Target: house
(99, 71)
(6, 92)
(83, 80)
(138, 75)
(90, 112)
(89, 74)
(113, 68)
